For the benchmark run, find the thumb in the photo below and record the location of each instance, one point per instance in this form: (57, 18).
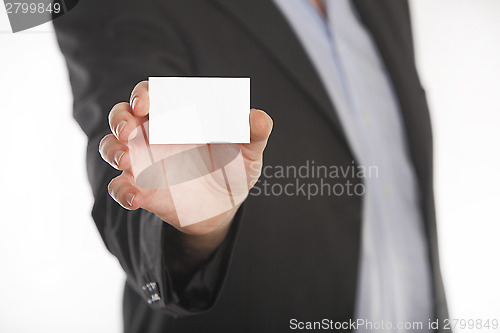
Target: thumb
(261, 126)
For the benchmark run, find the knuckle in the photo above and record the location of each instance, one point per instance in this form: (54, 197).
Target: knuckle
(114, 188)
(103, 144)
(113, 111)
(111, 188)
(139, 87)
(118, 111)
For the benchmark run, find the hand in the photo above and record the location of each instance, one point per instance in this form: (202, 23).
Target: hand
(128, 122)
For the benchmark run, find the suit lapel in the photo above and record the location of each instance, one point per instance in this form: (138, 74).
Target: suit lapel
(269, 28)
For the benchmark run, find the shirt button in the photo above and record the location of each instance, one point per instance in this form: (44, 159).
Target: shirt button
(367, 119)
(386, 191)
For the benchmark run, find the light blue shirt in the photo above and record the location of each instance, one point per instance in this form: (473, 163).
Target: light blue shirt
(394, 283)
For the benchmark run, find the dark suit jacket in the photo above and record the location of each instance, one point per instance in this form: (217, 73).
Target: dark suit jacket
(285, 257)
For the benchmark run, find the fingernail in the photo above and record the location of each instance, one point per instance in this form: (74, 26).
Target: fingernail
(120, 127)
(118, 157)
(134, 102)
(130, 199)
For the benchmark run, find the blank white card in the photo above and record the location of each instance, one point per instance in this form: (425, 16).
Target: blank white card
(198, 110)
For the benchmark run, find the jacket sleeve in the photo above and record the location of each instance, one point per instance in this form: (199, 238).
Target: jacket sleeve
(109, 47)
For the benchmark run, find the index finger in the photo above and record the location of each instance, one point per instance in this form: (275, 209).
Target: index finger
(139, 99)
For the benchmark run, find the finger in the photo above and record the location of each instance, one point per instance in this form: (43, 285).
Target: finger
(122, 189)
(139, 99)
(114, 152)
(261, 126)
(122, 123)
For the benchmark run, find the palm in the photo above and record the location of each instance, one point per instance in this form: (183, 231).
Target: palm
(186, 184)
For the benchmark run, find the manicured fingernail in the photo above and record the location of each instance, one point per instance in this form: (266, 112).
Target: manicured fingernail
(134, 103)
(120, 127)
(130, 199)
(118, 157)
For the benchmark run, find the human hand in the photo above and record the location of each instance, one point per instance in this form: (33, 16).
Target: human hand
(154, 190)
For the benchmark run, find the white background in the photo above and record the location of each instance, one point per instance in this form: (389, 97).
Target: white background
(55, 274)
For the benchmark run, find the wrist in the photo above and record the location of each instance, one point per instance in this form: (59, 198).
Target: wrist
(200, 241)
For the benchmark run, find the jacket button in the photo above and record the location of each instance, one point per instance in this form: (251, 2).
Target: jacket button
(151, 292)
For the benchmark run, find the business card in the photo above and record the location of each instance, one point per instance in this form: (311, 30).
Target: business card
(199, 110)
